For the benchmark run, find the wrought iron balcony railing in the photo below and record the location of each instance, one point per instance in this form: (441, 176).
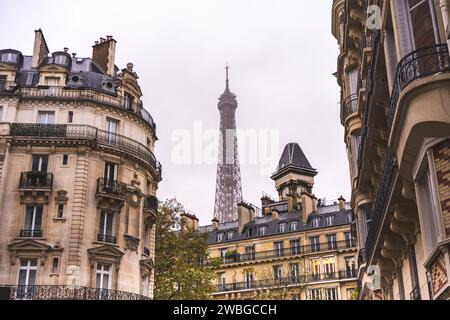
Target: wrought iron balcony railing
(55, 292)
(349, 106)
(106, 238)
(288, 252)
(417, 65)
(111, 187)
(90, 95)
(293, 280)
(31, 233)
(415, 293)
(151, 203)
(36, 180)
(381, 200)
(74, 132)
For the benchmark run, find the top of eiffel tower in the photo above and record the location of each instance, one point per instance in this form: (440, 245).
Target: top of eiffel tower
(227, 96)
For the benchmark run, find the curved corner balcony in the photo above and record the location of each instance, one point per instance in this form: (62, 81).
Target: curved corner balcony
(56, 292)
(417, 65)
(349, 107)
(88, 95)
(113, 142)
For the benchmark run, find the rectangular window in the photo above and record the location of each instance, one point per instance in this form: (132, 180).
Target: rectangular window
(221, 281)
(70, 117)
(230, 235)
(110, 173)
(39, 163)
(422, 23)
(27, 272)
(277, 272)
(350, 267)
(219, 237)
(223, 253)
(329, 220)
(262, 230)
(103, 276)
(293, 273)
(128, 101)
(65, 160)
(112, 128)
(1, 112)
(315, 244)
(106, 232)
(55, 263)
(293, 225)
(60, 211)
(282, 227)
(348, 240)
(314, 268)
(329, 267)
(348, 218)
(33, 221)
(315, 294)
(315, 222)
(250, 253)
(278, 249)
(46, 117)
(330, 294)
(248, 279)
(295, 246)
(331, 240)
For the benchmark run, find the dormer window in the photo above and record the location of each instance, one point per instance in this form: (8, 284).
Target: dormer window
(60, 59)
(262, 230)
(128, 102)
(329, 220)
(108, 85)
(9, 57)
(229, 235)
(293, 225)
(315, 222)
(282, 227)
(348, 218)
(219, 237)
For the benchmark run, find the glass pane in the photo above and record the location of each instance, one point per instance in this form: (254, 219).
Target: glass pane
(422, 25)
(38, 218)
(102, 228)
(109, 224)
(105, 284)
(31, 277)
(22, 277)
(33, 262)
(98, 280)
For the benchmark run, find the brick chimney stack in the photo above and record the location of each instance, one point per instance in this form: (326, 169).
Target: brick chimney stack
(103, 54)
(40, 49)
(341, 203)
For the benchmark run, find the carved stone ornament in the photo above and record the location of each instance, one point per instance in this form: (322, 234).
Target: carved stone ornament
(131, 243)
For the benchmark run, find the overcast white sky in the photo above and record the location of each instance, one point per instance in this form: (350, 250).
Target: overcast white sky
(282, 56)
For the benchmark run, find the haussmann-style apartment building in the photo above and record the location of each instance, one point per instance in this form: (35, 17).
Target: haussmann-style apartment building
(292, 248)
(78, 176)
(394, 72)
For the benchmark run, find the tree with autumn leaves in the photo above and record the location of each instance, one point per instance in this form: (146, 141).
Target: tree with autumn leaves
(183, 269)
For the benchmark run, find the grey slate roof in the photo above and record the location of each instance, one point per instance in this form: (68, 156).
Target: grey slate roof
(293, 155)
(340, 218)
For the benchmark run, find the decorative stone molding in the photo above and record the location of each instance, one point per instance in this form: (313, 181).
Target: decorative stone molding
(31, 249)
(61, 197)
(131, 242)
(105, 254)
(146, 267)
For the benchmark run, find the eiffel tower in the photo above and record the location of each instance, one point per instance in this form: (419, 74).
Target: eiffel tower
(228, 181)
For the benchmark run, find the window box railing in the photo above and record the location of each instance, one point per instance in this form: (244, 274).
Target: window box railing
(31, 233)
(111, 187)
(286, 281)
(106, 238)
(56, 292)
(151, 203)
(287, 252)
(36, 180)
(96, 137)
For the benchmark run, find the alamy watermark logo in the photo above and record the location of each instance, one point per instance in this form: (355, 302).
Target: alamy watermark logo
(200, 146)
(373, 17)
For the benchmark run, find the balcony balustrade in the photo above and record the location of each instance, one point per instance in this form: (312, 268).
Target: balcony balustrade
(106, 238)
(73, 132)
(293, 280)
(151, 203)
(349, 106)
(288, 252)
(111, 187)
(36, 180)
(31, 233)
(57, 292)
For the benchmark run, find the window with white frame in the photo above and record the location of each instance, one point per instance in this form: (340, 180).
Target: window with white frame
(329, 266)
(315, 222)
(350, 267)
(294, 272)
(329, 220)
(429, 212)
(262, 230)
(278, 248)
(295, 246)
(33, 221)
(423, 24)
(277, 272)
(282, 227)
(219, 237)
(348, 239)
(330, 294)
(103, 276)
(46, 117)
(331, 241)
(315, 294)
(248, 279)
(315, 244)
(27, 272)
(293, 225)
(314, 266)
(106, 229)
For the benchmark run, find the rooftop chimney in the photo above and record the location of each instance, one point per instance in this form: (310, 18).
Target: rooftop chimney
(66, 49)
(292, 203)
(103, 54)
(215, 223)
(307, 205)
(341, 203)
(274, 214)
(40, 49)
(246, 214)
(189, 222)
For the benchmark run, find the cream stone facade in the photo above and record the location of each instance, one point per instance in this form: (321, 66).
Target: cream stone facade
(78, 176)
(394, 72)
(296, 247)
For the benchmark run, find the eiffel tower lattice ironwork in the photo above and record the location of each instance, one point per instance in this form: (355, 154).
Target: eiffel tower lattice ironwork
(228, 181)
